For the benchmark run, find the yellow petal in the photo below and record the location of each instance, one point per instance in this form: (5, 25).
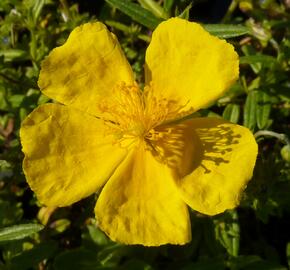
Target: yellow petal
(223, 165)
(186, 64)
(85, 69)
(141, 205)
(67, 156)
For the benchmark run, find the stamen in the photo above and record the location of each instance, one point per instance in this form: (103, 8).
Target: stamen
(130, 114)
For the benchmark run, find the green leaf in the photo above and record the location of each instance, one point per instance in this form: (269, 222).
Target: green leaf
(42, 99)
(136, 12)
(232, 113)
(227, 230)
(19, 231)
(185, 13)
(22, 113)
(10, 211)
(250, 109)
(60, 225)
(16, 100)
(111, 255)
(37, 7)
(167, 5)
(250, 54)
(32, 257)
(253, 59)
(153, 7)
(14, 55)
(226, 30)
(97, 235)
(263, 109)
(128, 29)
(3, 100)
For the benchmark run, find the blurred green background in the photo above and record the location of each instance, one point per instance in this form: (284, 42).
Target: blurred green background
(255, 236)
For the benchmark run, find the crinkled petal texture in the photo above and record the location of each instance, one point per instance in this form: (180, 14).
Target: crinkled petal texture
(187, 64)
(67, 155)
(222, 166)
(85, 69)
(141, 205)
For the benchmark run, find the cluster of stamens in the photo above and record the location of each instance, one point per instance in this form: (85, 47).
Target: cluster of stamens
(134, 113)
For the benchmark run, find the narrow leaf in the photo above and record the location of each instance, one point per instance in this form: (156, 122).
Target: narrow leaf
(136, 12)
(226, 30)
(167, 5)
(250, 119)
(14, 55)
(127, 29)
(38, 5)
(232, 113)
(185, 13)
(19, 231)
(263, 109)
(252, 59)
(153, 7)
(249, 51)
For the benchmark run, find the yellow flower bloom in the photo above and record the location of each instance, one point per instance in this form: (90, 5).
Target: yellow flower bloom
(109, 133)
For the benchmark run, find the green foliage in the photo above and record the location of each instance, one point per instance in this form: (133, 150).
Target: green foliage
(254, 236)
(18, 231)
(226, 30)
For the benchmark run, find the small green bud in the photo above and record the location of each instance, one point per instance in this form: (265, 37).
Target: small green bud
(285, 152)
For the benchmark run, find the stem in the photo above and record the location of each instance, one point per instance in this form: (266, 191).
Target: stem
(230, 11)
(236, 229)
(280, 136)
(127, 29)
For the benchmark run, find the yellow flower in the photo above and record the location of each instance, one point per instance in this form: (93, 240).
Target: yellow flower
(137, 144)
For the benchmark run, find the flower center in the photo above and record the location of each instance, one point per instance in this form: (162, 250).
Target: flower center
(132, 113)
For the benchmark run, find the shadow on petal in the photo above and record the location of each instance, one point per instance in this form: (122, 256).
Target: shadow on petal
(216, 143)
(185, 146)
(214, 163)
